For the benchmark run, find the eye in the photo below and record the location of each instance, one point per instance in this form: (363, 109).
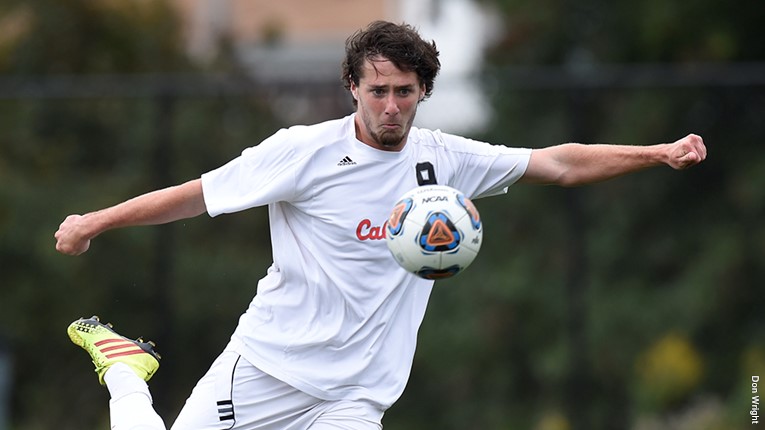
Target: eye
(378, 92)
(404, 92)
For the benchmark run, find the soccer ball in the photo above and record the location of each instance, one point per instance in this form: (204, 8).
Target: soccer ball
(434, 231)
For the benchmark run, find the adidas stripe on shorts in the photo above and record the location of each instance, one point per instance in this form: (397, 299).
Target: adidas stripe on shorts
(236, 395)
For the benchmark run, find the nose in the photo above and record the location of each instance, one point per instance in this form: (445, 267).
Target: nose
(391, 107)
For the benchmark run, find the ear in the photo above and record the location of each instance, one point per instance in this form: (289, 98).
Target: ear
(354, 89)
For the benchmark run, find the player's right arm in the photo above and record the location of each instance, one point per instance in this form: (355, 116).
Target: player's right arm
(158, 207)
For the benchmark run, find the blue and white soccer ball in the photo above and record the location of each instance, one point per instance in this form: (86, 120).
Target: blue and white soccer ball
(434, 231)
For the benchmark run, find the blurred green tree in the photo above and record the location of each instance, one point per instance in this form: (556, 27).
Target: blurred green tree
(96, 114)
(574, 288)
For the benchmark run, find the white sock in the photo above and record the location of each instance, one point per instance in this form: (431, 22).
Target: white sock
(130, 407)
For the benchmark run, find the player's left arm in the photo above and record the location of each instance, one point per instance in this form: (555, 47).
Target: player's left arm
(574, 164)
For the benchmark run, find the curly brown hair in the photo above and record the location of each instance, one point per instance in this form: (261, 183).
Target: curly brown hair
(400, 44)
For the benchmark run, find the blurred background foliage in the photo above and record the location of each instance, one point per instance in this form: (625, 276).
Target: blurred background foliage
(633, 304)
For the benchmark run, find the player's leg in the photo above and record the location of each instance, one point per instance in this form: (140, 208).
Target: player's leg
(123, 366)
(130, 407)
(236, 395)
(210, 405)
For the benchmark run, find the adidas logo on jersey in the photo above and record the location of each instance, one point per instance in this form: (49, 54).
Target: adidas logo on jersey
(346, 161)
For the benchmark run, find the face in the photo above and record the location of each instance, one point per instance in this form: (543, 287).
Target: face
(387, 103)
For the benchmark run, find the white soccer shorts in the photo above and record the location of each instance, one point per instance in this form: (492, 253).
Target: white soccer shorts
(236, 395)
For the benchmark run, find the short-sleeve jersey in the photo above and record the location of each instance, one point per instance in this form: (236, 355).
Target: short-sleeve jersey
(336, 316)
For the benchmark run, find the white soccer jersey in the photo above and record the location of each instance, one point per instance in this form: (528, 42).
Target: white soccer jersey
(335, 316)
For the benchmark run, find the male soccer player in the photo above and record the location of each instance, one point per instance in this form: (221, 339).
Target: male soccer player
(328, 340)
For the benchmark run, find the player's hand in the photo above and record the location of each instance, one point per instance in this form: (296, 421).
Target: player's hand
(70, 237)
(686, 152)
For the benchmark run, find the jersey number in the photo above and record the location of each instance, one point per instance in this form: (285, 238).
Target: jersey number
(426, 174)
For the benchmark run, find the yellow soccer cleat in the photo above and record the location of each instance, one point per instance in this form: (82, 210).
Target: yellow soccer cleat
(106, 347)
